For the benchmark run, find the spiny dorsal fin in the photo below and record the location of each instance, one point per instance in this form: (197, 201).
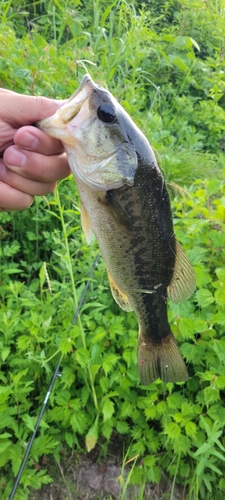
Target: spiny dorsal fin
(86, 225)
(119, 296)
(183, 282)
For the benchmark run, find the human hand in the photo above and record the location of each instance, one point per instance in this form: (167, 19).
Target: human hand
(32, 162)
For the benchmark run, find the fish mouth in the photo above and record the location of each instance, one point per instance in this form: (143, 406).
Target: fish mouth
(100, 159)
(57, 125)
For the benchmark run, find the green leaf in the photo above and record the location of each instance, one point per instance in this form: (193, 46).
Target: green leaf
(107, 410)
(108, 362)
(126, 409)
(191, 429)
(5, 435)
(69, 439)
(213, 186)
(66, 345)
(179, 63)
(187, 328)
(173, 430)
(63, 398)
(15, 454)
(220, 272)
(150, 412)
(218, 455)
(154, 474)
(82, 357)
(4, 445)
(174, 400)
(183, 42)
(85, 393)
(214, 468)
(222, 484)
(29, 421)
(92, 436)
(219, 318)
(75, 404)
(168, 38)
(68, 376)
(203, 449)
(107, 429)
(220, 382)
(42, 274)
(149, 460)
(12, 270)
(220, 295)
(195, 44)
(204, 297)
(207, 482)
(5, 353)
(4, 456)
(138, 475)
(122, 427)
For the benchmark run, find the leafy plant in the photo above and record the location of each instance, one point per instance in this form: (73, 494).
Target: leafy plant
(174, 92)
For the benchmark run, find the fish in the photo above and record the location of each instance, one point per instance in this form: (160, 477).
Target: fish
(126, 205)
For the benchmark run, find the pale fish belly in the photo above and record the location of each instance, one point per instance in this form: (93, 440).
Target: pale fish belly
(115, 242)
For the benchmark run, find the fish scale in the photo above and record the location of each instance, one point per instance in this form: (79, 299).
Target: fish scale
(144, 244)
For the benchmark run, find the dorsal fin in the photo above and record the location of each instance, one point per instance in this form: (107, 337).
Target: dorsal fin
(119, 296)
(86, 224)
(183, 282)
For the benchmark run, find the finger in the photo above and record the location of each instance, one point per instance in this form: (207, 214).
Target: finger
(4, 145)
(33, 139)
(27, 186)
(23, 109)
(35, 166)
(12, 199)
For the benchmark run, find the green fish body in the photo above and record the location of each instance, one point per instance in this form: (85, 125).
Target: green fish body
(126, 205)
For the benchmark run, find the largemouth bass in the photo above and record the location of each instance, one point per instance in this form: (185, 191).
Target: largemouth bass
(126, 205)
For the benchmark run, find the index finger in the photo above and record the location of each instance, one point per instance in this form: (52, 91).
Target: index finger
(33, 139)
(19, 109)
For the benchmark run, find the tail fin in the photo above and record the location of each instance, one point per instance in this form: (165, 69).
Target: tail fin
(160, 360)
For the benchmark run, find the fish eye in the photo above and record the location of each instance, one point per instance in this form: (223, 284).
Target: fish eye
(106, 113)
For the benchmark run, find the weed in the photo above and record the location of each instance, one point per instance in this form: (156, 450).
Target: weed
(149, 57)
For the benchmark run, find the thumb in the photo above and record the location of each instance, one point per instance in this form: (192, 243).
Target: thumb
(19, 110)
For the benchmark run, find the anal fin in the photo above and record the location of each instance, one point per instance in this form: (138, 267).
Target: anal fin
(119, 296)
(183, 282)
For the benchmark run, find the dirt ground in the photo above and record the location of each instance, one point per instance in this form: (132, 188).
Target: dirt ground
(86, 480)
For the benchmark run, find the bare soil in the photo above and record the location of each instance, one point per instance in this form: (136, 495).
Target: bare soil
(86, 480)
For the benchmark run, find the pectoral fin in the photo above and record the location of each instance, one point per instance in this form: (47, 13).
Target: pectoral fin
(183, 282)
(119, 296)
(86, 224)
(117, 211)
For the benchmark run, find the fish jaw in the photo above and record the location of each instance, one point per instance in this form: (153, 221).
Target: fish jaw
(57, 125)
(103, 159)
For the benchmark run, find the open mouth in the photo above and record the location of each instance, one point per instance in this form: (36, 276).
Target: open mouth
(55, 125)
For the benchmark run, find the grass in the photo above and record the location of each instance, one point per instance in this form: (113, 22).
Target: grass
(158, 77)
(150, 60)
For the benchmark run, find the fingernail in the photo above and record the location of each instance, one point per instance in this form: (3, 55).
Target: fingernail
(15, 158)
(28, 141)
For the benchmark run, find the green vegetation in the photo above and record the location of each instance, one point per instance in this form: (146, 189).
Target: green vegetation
(164, 61)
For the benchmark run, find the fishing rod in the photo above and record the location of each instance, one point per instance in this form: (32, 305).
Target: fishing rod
(56, 374)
